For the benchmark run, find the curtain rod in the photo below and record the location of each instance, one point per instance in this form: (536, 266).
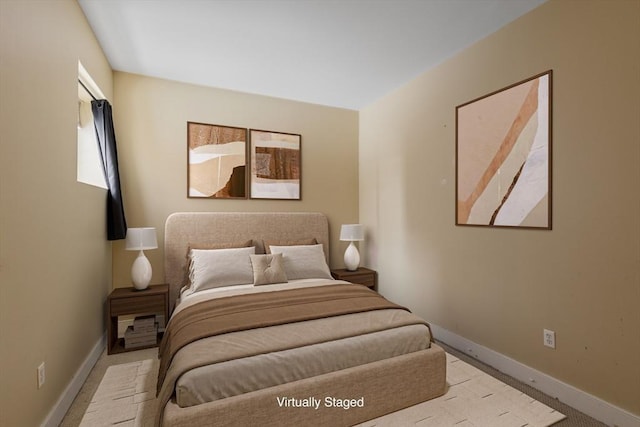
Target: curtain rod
(87, 89)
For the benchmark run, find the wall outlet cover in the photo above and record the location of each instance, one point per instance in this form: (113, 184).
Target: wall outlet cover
(549, 338)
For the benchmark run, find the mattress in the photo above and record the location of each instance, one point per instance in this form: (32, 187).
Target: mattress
(233, 377)
(252, 360)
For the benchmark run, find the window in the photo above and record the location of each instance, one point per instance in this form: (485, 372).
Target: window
(89, 165)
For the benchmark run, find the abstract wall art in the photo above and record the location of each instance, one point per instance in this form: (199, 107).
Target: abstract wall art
(503, 157)
(275, 165)
(217, 160)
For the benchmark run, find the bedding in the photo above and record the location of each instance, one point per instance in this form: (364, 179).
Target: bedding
(236, 340)
(268, 269)
(246, 374)
(268, 243)
(303, 261)
(231, 351)
(212, 268)
(216, 316)
(217, 245)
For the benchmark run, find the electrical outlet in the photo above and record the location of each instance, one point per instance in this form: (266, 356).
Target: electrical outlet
(549, 338)
(41, 375)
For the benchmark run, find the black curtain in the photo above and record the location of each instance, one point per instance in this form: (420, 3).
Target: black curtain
(103, 121)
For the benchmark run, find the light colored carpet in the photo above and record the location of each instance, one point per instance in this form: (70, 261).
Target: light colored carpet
(126, 398)
(473, 399)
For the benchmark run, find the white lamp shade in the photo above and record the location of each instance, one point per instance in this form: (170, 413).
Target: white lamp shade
(139, 239)
(351, 232)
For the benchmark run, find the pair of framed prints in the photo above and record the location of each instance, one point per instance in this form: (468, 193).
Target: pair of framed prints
(226, 162)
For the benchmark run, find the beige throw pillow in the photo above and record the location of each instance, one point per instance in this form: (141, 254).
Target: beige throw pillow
(268, 269)
(213, 268)
(218, 245)
(268, 243)
(304, 262)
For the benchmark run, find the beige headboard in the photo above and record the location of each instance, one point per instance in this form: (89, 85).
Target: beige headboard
(184, 228)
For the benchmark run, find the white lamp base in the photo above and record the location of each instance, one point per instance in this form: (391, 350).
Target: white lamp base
(351, 257)
(141, 272)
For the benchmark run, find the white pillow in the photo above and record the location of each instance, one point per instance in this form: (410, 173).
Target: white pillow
(303, 262)
(213, 268)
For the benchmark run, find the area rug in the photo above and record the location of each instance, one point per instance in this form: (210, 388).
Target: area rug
(126, 398)
(473, 398)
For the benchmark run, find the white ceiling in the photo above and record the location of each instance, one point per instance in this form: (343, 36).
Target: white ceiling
(340, 53)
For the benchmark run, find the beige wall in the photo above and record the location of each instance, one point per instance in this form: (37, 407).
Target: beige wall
(55, 262)
(500, 287)
(151, 117)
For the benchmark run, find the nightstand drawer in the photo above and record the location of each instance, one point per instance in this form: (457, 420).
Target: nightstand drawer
(361, 276)
(363, 279)
(137, 305)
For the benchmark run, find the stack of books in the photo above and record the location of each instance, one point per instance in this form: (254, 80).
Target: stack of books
(143, 333)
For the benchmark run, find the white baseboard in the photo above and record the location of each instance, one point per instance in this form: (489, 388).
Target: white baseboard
(59, 410)
(568, 394)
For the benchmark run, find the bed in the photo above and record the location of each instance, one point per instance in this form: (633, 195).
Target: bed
(292, 347)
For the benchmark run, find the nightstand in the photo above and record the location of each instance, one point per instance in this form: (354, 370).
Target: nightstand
(129, 301)
(362, 276)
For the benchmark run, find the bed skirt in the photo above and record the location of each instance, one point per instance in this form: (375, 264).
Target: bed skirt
(372, 390)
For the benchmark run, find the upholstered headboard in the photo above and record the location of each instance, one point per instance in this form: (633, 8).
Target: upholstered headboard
(185, 228)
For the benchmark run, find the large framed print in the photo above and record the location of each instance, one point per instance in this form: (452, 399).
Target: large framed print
(275, 165)
(503, 157)
(217, 161)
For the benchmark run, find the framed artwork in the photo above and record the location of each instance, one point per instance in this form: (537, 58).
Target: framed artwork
(275, 165)
(503, 157)
(217, 161)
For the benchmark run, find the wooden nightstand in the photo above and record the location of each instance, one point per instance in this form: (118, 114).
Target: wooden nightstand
(128, 301)
(362, 276)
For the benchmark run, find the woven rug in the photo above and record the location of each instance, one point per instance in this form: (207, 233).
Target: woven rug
(473, 399)
(126, 398)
